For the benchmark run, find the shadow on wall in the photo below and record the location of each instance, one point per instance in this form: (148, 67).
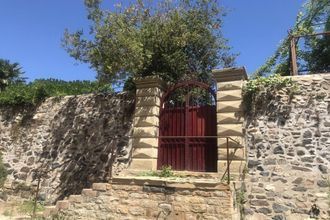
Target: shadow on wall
(85, 139)
(276, 107)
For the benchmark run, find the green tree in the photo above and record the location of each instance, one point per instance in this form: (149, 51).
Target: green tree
(313, 12)
(9, 73)
(318, 57)
(175, 40)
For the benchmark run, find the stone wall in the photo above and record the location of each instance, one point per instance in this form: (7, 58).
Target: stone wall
(148, 198)
(77, 140)
(289, 153)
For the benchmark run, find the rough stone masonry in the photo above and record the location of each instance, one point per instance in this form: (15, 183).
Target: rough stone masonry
(289, 153)
(77, 140)
(288, 147)
(147, 199)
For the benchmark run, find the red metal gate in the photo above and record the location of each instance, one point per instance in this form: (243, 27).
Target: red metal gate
(187, 139)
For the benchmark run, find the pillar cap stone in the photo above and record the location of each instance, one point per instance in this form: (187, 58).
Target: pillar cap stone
(230, 74)
(149, 82)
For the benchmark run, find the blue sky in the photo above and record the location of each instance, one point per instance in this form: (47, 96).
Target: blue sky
(31, 33)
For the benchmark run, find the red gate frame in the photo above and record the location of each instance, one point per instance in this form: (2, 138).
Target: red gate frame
(189, 83)
(186, 84)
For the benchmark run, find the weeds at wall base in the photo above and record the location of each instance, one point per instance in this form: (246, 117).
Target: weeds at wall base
(166, 171)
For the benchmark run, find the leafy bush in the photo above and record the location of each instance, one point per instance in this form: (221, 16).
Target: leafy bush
(3, 172)
(35, 92)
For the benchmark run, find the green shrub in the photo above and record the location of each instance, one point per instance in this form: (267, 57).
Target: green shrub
(3, 172)
(35, 92)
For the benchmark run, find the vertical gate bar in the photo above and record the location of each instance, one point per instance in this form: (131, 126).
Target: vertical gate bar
(180, 139)
(173, 134)
(173, 139)
(182, 120)
(168, 133)
(183, 160)
(204, 145)
(164, 134)
(168, 159)
(160, 140)
(164, 140)
(186, 130)
(175, 112)
(201, 149)
(191, 140)
(177, 134)
(203, 121)
(198, 141)
(206, 141)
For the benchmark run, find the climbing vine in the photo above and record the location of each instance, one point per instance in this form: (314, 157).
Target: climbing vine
(259, 92)
(312, 13)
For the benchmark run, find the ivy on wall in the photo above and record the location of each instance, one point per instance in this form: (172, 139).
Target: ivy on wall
(259, 92)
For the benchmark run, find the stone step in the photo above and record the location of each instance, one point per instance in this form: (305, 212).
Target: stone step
(89, 193)
(49, 211)
(22, 217)
(62, 204)
(65, 204)
(76, 199)
(101, 187)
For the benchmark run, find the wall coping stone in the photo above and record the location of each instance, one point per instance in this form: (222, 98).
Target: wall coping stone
(149, 82)
(310, 76)
(230, 74)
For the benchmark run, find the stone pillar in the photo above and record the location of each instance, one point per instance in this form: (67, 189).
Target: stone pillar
(146, 123)
(230, 118)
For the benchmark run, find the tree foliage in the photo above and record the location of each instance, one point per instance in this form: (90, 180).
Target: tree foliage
(313, 12)
(174, 39)
(33, 93)
(318, 58)
(9, 73)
